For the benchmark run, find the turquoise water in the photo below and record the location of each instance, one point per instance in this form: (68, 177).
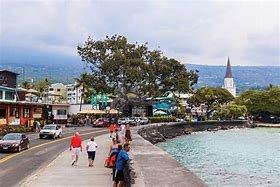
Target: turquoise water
(238, 157)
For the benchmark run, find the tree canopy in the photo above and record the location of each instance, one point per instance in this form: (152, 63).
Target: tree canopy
(120, 67)
(261, 102)
(211, 96)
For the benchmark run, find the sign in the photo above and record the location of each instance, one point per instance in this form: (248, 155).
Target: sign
(37, 115)
(14, 121)
(3, 121)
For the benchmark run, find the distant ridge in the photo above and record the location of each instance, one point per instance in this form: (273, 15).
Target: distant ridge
(246, 77)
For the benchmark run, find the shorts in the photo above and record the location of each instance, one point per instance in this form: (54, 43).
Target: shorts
(91, 155)
(119, 176)
(76, 150)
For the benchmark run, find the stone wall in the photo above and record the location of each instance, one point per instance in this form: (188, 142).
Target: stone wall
(160, 132)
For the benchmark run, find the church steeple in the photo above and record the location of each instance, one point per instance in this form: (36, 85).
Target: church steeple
(228, 71)
(228, 80)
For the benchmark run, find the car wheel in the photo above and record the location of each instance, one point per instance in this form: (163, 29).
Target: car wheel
(27, 146)
(40, 137)
(19, 148)
(54, 137)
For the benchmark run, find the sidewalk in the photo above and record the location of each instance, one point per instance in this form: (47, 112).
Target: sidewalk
(60, 172)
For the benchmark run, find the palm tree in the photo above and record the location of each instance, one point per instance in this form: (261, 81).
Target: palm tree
(26, 85)
(84, 82)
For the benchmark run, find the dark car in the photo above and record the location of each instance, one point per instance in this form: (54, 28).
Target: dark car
(102, 122)
(14, 142)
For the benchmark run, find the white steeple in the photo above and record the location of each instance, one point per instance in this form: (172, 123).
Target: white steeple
(228, 80)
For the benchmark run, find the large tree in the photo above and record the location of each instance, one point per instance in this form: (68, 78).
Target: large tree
(261, 103)
(123, 68)
(212, 97)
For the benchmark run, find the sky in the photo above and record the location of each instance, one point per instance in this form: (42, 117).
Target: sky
(194, 32)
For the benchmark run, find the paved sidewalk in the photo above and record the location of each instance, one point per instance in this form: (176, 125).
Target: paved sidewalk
(60, 172)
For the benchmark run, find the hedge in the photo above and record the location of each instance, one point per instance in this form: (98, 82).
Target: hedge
(4, 129)
(158, 119)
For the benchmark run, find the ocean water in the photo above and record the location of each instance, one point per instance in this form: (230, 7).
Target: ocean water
(237, 157)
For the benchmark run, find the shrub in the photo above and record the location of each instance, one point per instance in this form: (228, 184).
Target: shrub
(158, 119)
(4, 129)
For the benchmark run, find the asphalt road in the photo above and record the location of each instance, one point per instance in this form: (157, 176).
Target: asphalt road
(15, 167)
(34, 137)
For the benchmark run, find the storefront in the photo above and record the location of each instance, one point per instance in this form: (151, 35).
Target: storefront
(20, 113)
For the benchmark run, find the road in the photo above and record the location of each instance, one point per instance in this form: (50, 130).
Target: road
(15, 167)
(34, 137)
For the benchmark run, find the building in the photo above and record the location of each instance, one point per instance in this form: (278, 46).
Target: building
(19, 106)
(8, 79)
(14, 110)
(228, 80)
(74, 94)
(57, 93)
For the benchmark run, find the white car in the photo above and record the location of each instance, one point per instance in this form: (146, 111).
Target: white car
(144, 120)
(53, 131)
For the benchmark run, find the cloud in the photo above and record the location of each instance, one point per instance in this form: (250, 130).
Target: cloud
(192, 32)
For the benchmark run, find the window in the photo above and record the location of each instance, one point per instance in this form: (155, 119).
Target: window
(58, 90)
(61, 112)
(9, 95)
(69, 89)
(14, 112)
(51, 89)
(26, 112)
(1, 94)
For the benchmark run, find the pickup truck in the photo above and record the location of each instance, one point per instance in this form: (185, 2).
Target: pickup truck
(53, 131)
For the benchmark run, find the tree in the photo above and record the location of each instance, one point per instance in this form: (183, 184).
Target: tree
(26, 85)
(42, 85)
(84, 82)
(230, 111)
(212, 97)
(261, 103)
(121, 68)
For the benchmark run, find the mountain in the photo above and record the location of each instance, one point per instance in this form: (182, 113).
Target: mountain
(245, 77)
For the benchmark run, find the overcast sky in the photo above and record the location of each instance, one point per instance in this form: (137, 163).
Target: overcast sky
(197, 32)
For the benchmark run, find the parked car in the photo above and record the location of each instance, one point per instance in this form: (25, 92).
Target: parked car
(102, 122)
(14, 142)
(144, 120)
(51, 131)
(123, 121)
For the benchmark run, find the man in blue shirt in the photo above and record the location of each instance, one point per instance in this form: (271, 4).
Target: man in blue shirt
(120, 164)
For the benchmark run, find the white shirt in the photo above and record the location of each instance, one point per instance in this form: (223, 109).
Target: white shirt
(91, 146)
(122, 128)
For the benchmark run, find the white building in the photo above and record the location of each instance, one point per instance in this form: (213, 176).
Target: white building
(228, 80)
(74, 94)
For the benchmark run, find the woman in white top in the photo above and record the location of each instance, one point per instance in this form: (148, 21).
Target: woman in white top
(91, 149)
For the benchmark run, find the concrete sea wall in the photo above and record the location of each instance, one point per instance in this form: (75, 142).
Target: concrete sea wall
(152, 166)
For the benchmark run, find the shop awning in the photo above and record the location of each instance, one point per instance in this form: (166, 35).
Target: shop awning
(92, 111)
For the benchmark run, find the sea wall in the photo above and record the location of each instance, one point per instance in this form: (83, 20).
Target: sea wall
(151, 166)
(160, 132)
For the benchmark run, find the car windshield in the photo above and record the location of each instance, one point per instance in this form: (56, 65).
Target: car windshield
(12, 137)
(49, 127)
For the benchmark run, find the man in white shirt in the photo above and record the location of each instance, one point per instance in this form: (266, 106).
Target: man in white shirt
(91, 149)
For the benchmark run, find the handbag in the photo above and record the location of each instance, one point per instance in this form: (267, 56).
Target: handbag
(107, 161)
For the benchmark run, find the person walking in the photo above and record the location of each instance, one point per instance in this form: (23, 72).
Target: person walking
(127, 133)
(113, 154)
(91, 150)
(122, 132)
(75, 147)
(112, 129)
(120, 164)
